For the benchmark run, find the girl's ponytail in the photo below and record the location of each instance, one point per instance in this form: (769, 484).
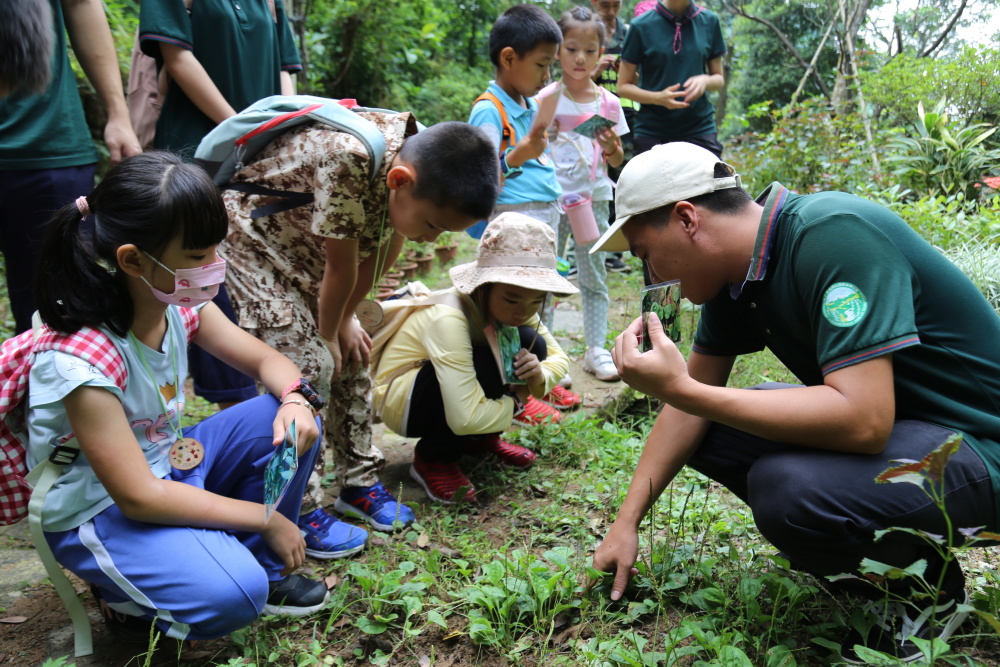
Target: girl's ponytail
(147, 201)
(72, 287)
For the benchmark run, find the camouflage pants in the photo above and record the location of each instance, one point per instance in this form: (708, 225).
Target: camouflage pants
(347, 421)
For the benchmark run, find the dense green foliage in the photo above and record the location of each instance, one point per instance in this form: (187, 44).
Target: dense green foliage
(763, 72)
(968, 80)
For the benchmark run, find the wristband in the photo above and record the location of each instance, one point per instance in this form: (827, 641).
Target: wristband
(304, 387)
(506, 170)
(617, 146)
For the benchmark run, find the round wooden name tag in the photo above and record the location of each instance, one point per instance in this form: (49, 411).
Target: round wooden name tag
(186, 453)
(369, 314)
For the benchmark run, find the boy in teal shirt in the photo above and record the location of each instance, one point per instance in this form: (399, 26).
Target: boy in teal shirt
(523, 45)
(524, 42)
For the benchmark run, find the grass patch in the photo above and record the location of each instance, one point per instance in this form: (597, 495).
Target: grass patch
(503, 582)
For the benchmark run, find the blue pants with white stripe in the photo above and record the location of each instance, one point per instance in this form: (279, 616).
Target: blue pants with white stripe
(198, 583)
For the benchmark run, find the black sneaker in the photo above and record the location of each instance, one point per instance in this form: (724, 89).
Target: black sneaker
(295, 595)
(615, 264)
(572, 271)
(123, 627)
(895, 623)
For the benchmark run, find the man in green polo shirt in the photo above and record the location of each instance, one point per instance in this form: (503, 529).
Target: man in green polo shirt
(895, 349)
(672, 56)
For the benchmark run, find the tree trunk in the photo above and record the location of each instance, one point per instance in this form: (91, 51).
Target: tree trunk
(851, 16)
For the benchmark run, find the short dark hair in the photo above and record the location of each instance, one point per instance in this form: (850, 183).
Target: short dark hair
(583, 17)
(522, 28)
(729, 201)
(25, 46)
(457, 167)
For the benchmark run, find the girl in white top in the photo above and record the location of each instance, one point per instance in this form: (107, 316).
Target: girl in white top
(165, 524)
(581, 168)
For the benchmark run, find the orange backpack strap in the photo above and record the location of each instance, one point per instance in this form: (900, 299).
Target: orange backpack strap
(509, 137)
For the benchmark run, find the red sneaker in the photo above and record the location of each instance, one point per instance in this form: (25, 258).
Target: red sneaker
(536, 412)
(562, 399)
(442, 481)
(508, 453)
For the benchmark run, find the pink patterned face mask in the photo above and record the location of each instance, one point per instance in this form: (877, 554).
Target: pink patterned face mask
(192, 287)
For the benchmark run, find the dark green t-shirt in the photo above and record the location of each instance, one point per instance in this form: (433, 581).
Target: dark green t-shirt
(47, 131)
(666, 56)
(238, 42)
(837, 280)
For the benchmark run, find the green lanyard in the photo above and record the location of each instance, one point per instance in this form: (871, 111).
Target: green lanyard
(177, 380)
(380, 256)
(369, 312)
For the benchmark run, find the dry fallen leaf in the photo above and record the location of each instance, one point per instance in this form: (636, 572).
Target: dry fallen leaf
(453, 635)
(424, 661)
(14, 619)
(331, 581)
(423, 540)
(342, 621)
(569, 633)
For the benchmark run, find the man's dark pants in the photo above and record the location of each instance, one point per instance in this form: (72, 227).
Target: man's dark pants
(822, 508)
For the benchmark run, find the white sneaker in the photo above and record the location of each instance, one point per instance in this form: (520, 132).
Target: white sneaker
(566, 382)
(598, 361)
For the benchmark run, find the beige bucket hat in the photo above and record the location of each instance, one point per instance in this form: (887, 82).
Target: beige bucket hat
(516, 250)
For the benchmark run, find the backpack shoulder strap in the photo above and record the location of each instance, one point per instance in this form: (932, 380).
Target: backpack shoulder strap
(608, 108)
(232, 143)
(191, 319)
(94, 347)
(509, 136)
(399, 311)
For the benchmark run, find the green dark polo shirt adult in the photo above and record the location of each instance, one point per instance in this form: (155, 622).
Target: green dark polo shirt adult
(650, 45)
(238, 42)
(47, 131)
(836, 280)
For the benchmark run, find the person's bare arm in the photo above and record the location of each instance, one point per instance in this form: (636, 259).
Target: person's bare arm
(100, 425)
(696, 86)
(671, 97)
(852, 411)
(90, 37)
(340, 276)
(673, 439)
(287, 84)
(190, 75)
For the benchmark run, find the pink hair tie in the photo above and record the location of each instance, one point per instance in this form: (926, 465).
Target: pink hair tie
(83, 206)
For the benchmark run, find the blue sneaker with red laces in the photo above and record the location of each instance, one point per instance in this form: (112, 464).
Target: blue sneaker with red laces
(327, 536)
(376, 506)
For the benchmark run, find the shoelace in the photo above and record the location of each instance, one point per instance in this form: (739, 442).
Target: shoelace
(379, 495)
(321, 519)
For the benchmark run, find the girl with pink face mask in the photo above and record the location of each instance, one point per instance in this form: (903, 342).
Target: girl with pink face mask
(143, 491)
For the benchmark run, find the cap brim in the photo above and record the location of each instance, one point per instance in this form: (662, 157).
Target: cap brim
(613, 240)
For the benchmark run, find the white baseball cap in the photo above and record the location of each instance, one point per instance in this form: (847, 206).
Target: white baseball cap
(665, 174)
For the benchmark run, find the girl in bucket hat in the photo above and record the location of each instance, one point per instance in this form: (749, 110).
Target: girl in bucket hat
(439, 378)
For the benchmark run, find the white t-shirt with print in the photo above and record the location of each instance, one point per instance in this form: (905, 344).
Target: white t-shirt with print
(575, 154)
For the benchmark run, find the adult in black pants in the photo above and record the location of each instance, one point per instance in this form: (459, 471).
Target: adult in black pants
(895, 354)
